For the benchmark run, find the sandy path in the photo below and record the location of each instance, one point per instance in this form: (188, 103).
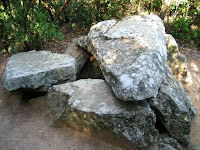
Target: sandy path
(193, 90)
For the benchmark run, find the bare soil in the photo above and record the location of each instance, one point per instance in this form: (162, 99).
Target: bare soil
(27, 127)
(193, 90)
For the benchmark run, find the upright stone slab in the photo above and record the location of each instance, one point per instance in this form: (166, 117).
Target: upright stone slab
(132, 55)
(174, 108)
(90, 105)
(38, 70)
(83, 41)
(176, 61)
(77, 50)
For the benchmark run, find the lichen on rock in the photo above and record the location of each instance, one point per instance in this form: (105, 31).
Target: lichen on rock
(175, 108)
(132, 55)
(91, 105)
(38, 70)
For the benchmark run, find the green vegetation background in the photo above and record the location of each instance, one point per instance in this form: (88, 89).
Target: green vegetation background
(28, 24)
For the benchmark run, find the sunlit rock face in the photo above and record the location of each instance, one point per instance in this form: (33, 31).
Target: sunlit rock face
(77, 50)
(90, 105)
(176, 61)
(132, 55)
(38, 70)
(174, 108)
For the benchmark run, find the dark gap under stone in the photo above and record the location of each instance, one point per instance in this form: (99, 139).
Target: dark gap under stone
(91, 70)
(159, 125)
(27, 95)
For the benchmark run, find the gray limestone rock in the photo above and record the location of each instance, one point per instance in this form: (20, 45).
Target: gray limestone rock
(77, 51)
(132, 55)
(38, 70)
(163, 146)
(90, 105)
(169, 143)
(174, 108)
(164, 142)
(83, 41)
(176, 61)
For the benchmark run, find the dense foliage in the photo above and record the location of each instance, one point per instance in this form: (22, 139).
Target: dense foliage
(185, 25)
(182, 16)
(27, 24)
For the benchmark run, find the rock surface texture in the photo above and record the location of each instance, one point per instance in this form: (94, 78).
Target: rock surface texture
(174, 108)
(77, 50)
(38, 70)
(132, 55)
(91, 105)
(168, 143)
(176, 61)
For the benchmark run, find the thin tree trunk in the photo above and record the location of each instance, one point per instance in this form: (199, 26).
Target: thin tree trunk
(60, 11)
(139, 8)
(94, 9)
(6, 5)
(164, 8)
(50, 10)
(27, 48)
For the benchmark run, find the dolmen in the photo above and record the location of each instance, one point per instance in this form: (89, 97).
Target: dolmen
(137, 105)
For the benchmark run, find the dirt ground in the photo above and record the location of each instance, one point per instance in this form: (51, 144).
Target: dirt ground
(193, 90)
(27, 128)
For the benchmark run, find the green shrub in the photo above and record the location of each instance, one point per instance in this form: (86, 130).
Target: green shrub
(84, 14)
(26, 26)
(181, 29)
(79, 14)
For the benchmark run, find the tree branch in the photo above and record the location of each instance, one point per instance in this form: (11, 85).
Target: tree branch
(60, 11)
(50, 9)
(165, 7)
(25, 22)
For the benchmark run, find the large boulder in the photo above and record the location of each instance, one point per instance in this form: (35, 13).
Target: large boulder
(132, 55)
(90, 105)
(77, 50)
(38, 70)
(174, 108)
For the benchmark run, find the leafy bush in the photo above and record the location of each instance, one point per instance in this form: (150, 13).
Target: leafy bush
(181, 29)
(80, 13)
(26, 25)
(84, 13)
(186, 24)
